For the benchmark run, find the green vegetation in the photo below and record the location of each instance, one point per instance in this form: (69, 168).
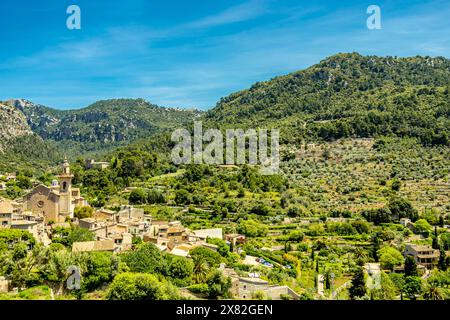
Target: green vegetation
(365, 149)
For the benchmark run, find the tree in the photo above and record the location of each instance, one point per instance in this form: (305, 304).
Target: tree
(445, 240)
(402, 208)
(146, 258)
(218, 285)
(222, 248)
(358, 287)
(435, 241)
(386, 290)
(252, 228)
(138, 196)
(180, 270)
(441, 221)
(442, 263)
(422, 225)
(200, 270)
(360, 254)
(396, 184)
(433, 292)
(155, 196)
(375, 247)
(101, 267)
(410, 267)
(79, 235)
(140, 286)
(182, 197)
(212, 258)
(296, 236)
(83, 212)
(413, 286)
(23, 182)
(390, 258)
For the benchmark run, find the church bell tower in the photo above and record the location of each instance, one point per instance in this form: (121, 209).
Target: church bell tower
(65, 191)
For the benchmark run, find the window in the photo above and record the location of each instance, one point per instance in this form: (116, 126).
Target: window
(40, 204)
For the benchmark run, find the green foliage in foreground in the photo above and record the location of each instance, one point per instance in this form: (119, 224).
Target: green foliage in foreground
(141, 286)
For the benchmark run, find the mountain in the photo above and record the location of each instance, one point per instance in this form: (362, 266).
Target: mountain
(348, 95)
(345, 95)
(102, 125)
(13, 125)
(20, 147)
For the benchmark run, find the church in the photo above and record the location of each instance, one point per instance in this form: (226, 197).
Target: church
(55, 203)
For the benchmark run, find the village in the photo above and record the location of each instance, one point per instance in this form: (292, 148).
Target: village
(46, 209)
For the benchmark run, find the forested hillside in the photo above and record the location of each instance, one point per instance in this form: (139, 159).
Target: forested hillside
(349, 95)
(102, 125)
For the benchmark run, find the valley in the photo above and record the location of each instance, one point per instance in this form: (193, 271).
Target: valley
(360, 208)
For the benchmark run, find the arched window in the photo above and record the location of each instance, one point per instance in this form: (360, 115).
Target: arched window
(64, 185)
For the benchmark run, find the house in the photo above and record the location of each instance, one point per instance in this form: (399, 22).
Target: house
(105, 214)
(246, 287)
(405, 222)
(99, 165)
(4, 284)
(123, 241)
(181, 250)
(6, 212)
(91, 246)
(5, 220)
(11, 176)
(129, 212)
(423, 255)
(30, 226)
(89, 223)
(173, 232)
(235, 238)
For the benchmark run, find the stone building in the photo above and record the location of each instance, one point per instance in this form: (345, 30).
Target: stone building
(423, 255)
(55, 203)
(5, 284)
(99, 165)
(247, 287)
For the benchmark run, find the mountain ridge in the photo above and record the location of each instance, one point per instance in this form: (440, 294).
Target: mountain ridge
(350, 90)
(344, 95)
(113, 122)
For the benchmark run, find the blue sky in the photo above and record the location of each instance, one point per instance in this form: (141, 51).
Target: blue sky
(183, 53)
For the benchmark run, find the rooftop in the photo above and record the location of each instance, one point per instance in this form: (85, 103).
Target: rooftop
(102, 245)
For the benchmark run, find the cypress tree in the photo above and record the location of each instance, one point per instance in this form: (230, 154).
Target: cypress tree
(442, 263)
(375, 247)
(358, 287)
(410, 267)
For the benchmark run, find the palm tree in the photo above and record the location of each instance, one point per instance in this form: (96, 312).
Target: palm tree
(200, 270)
(360, 254)
(433, 292)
